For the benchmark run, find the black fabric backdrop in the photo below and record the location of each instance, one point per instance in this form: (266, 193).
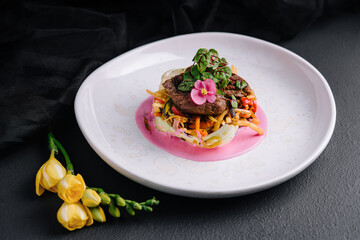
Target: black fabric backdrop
(47, 48)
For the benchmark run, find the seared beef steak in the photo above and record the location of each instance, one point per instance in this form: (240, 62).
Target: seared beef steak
(231, 89)
(183, 102)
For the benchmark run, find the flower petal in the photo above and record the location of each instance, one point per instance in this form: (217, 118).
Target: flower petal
(52, 173)
(72, 216)
(71, 188)
(39, 189)
(211, 98)
(90, 220)
(199, 85)
(197, 97)
(210, 86)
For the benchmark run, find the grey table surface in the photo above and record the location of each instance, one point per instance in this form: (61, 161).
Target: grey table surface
(322, 202)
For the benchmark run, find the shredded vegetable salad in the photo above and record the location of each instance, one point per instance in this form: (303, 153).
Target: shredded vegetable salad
(208, 81)
(200, 126)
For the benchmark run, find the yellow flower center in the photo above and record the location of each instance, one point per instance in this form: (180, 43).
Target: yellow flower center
(203, 91)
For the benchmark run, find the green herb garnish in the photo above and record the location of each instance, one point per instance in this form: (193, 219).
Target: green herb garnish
(220, 92)
(195, 72)
(186, 85)
(234, 103)
(240, 85)
(223, 73)
(208, 65)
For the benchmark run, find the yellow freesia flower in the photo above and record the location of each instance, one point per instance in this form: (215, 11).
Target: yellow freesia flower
(74, 216)
(71, 188)
(49, 175)
(90, 198)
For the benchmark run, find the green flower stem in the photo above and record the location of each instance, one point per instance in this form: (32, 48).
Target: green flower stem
(130, 205)
(98, 190)
(52, 146)
(53, 141)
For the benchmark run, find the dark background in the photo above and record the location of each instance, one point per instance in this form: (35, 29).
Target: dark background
(48, 49)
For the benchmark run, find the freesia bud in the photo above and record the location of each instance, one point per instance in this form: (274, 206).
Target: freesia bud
(105, 199)
(71, 188)
(114, 211)
(90, 198)
(74, 216)
(50, 173)
(152, 202)
(130, 209)
(147, 208)
(98, 214)
(135, 205)
(120, 201)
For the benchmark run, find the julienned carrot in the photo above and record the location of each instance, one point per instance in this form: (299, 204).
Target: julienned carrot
(203, 132)
(159, 95)
(248, 124)
(255, 120)
(203, 125)
(233, 69)
(197, 123)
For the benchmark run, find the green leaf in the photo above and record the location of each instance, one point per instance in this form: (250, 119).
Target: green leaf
(215, 80)
(203, 62)
(199, 53)
(195, 72)
(223, 84)
(202, 59)
(209, 69)
(223, 62)
(223, 73)
(234, 103)
(214, 59)
(188, 76)
(213, 52)
(220, 92)
(186, 85)
(206, 75)
(214, 63)
(240, 85)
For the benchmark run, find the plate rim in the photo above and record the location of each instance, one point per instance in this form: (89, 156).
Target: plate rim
(205, 193)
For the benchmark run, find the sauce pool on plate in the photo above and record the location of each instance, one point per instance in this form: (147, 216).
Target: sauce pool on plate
(245, 139)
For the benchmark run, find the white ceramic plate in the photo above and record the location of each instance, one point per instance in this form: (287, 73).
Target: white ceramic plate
(295, 97)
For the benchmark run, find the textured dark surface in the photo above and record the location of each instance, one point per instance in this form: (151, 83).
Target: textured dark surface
(322, 202)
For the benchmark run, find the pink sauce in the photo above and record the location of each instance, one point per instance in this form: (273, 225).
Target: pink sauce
(244, 140)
